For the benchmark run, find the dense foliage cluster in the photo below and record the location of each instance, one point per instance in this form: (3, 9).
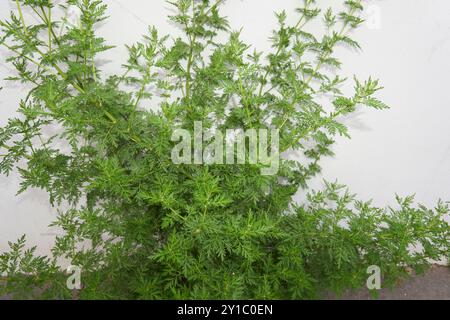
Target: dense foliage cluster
(142, 227)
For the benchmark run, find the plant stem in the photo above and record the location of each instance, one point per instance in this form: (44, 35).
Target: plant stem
(332, 116)
(21, 54)
(19, 8)
(319, 65)
(218, 2)
(192, 40)
(145, 81)
(269, 69)
(49, 29)
(47, 19)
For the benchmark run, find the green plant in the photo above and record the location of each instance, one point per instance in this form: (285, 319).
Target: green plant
(141, 226)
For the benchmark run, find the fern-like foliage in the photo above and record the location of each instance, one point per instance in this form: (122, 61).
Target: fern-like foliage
(141, 227)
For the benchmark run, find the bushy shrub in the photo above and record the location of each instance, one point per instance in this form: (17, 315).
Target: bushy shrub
(142, 227)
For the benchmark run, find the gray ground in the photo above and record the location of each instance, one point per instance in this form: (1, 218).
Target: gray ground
(434, 285)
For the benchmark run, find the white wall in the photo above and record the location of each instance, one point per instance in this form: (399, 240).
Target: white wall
(404, 150)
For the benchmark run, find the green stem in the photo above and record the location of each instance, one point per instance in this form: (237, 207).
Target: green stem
(269, 69)
(320, 64)
(332, 116)
(54, 65)
(140, 93)
(192, 40)
(215, 5)
(21, 54)
(57, 68)
(49, 24)
(19, 8)
(47, 20)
